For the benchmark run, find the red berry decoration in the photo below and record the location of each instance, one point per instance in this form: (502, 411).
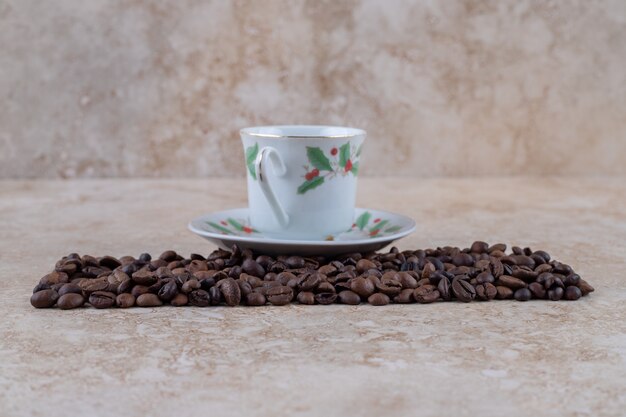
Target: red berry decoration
(376, 221)
(374, 232)
(315, 172)
(247, 229)
(308, 176)
(348, 165)
(333, 151)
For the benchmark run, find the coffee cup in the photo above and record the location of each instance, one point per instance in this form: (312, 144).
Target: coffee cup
(302, 179)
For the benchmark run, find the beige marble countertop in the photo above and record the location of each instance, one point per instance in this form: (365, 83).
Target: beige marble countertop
(487, 359)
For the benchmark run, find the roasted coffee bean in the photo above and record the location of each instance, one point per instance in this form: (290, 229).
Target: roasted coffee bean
(485, 277)
(572, 293)
(199, 298)
(279, 296)
(144, 277)
(252, 267)
(486, 291)
(426, 294)
(572, 279)
(168, 256)
(54, 278)
(479, 247)
(362, 286)
(405, 296)
(216, 296)
(511, 282)
(585, 288)
(109, 262)
(191, 285)
(255, 299)
(102, 299)
(125, 286)
(306, 297)
(325, 297)
(390, 287)
(244, 287)
(308, 281)
(138, 290)
(522, 294)
(230, 292)
(168, 291)
(148, 300)
(294, 262)
(125, 300)
(70, 300)
(555, 294)
(349, 297)
(179, 300)
(537, 290)
(70, 288)
(44, 298)
(504, 292)
(41, 287)
(364, 265)
(463, 259)
(463, 290)
(444, 288)
(378, 299)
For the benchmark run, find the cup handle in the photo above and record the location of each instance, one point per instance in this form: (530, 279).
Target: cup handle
(261, 164)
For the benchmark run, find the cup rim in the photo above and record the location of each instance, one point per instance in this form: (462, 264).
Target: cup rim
(266, 132)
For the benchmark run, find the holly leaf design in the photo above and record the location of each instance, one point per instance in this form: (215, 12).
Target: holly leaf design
(393, 229)
(355, 168)
(344, 154)
(251, 154)
(363, 220)
(309, 185)
(358, 151)
(318, 159)
(220, 228)
(379, 225)
(235, 224)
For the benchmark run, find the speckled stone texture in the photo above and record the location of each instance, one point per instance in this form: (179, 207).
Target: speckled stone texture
(501, 358)
(160, 88)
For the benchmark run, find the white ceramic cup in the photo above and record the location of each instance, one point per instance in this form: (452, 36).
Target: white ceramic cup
(302, 179)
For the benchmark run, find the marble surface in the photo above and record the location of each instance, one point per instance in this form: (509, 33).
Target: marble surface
(489, 359)
(160, 88)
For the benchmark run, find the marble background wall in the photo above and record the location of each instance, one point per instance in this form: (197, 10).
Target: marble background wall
(159, 88)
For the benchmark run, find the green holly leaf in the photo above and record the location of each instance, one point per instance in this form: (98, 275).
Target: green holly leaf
(220, 228)
(235, 224)
(358, 151)
(344, 154)
(309, 185)
(393, 229)
(355, 168)
(318, 159)
(379, 225)
(363, 220)
(251, 154)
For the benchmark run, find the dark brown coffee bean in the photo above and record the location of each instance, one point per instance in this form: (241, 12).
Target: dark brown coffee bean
(537, 290)
(138, 290)
(555, 294)
(190, 285)
(463, 290)
(571, 279)
(252, 267)
(255, 299)
(179, 300)
(572, 293)
(504, 292)
(325, 297)
(279, 296)
(244, 287)
(479, 247)
(522, 294)
(294, 262)
(70, 300)
(199, 298)
(364, 265)
(426, 294)
(444, 288)
(125, 300)
(144, 277)
(584, 286)
(405, 296)
(485, 277)
(109, 262)
(54, 278)
(308, 281)
(230, 292)
(348, 297)
(168, 291)
(362, 286)
(41, 287)
(511, 282)
(102, 299)
(378, 299)
(486, 291)
(70, 288)
(306, 297)
(168, 256)
(524, 273)
(44, 298)
(463, 259)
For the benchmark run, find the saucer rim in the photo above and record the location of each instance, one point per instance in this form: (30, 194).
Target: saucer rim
(380, 239)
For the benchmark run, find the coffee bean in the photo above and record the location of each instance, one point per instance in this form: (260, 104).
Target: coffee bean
(362, 286)
(70, 288)
(573, 293)
(426, 294)
(102, 299)
(70, 300)
(308, 281)
(349, 297)
(168, 291)
(148, 300)
(325, 287)
(463, 290)
(537, 290)
(199, 298)
(44, 298)
(522, 294)
(306, 297)
(252, 267)
(585, 288)
(179, 300)
(230, 292)
(364, 265)
(444, 288)
(486, 291)
(294, 262)
(405, 296)
(125, 300)
(109, 262)
(463, 259)
(572, 279)
(145, 257)
(555, 294)
(511, 282)
(325, 297)
(279, 296)
(190, 285)
(54, 278)
(378, 299)
(479, 247)
(138, 290)
(168, 256)
(144, 277)
(485, 277)
(255, 299)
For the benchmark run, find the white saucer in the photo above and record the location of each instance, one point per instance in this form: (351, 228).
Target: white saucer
(372, 230)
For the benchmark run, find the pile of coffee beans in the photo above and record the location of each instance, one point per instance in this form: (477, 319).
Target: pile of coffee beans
(240, 277)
